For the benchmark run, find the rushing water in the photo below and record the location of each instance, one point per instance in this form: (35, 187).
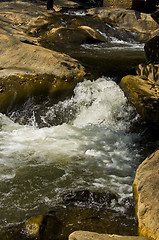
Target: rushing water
(91, 149)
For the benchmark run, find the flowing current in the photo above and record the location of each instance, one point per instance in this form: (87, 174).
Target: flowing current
(93, 149)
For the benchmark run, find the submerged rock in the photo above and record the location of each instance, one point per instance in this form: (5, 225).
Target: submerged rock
(146, 194)
(80, 210)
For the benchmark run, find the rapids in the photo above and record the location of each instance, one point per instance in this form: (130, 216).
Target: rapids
(80, 143)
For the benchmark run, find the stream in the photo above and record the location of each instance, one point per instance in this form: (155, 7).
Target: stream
(89, 141)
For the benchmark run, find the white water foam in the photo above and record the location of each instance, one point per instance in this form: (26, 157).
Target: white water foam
(94, 150)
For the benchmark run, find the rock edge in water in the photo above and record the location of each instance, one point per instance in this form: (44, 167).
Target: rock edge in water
(84, 235)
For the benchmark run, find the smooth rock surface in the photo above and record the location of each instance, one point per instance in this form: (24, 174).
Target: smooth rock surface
(84, 235)
(20, 53)
(147, 196)
(144, 95)
(21, 57)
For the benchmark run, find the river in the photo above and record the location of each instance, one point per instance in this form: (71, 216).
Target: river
(83, 142)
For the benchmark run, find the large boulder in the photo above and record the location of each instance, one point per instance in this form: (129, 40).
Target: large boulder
(26, 58)
(85, 235)
(147, 196)
(144, 95)
(127, 19)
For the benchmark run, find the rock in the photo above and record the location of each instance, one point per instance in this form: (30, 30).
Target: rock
(73, 36)
(62, 4)
(152, 49)
(149, 71)
(16, 89)
(139, 5)
(85, 235)
(125, 4)
(79, 210)
(33, 226)
(147, 195)
(144, 95)
(127, 19)
(21, 57)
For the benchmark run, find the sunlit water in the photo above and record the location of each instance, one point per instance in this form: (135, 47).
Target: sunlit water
(93, 150)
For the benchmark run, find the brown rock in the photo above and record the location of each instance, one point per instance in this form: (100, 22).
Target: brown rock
(144, 95)
(26, 58)
(84, 235)
(126, 19)
(147, 196)
(125, 4)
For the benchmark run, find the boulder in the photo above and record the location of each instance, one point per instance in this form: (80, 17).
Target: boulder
(144, 95)
(147, 196)
(152, 49)
(73, 36)
(139, 5)
(127, 19)
(16, 89)
(84, 235)
(18, 57)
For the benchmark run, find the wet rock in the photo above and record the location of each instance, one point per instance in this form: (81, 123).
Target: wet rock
(152, 49)
(80, 210)
(146, 194)
(73, 36)
(33, 226)
(85, 235)
(16, 89)
(65, 4)
(144, 95)
(86, 197)
(127, 19)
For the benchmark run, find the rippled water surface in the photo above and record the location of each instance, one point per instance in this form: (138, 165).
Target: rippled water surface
(81, 143)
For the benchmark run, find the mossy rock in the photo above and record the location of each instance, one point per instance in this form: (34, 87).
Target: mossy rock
(16, 89)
